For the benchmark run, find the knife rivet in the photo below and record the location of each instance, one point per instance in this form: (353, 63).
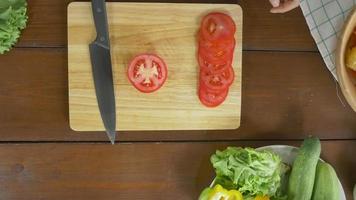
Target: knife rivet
(98, 10)
(102, 39)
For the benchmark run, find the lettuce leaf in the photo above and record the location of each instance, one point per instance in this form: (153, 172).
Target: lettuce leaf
(251, 172)
(13, 19)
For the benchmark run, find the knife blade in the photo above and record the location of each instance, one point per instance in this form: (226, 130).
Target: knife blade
(102, 69)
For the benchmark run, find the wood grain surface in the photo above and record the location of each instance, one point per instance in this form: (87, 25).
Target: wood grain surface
(130, 171)
(34, 100)
(167, 30)
(288, 94)
(262, 30)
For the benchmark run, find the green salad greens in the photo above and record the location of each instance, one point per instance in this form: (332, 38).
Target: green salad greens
(13, 19)
(251, 172)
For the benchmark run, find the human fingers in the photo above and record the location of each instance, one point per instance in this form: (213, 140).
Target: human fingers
(286, 6)
(275, 3)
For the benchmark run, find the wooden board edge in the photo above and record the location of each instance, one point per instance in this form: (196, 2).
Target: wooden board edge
(239, 8)
(162, 3)
(72, 125)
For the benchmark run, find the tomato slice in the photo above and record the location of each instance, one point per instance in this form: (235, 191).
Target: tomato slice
(217, 81)
(212, 98)
(219, 45)
(217, 26)
(147, 72)
(216, 66)
(216, 56)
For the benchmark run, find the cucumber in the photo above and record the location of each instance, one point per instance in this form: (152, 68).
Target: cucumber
(326, 185)
(301, 180)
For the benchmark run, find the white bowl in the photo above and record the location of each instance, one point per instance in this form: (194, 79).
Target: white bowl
(288, 155)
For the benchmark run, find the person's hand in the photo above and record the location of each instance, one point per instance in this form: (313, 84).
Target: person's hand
(282, 6)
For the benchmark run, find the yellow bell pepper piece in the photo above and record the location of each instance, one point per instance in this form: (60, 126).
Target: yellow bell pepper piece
(219, 193)
(351, 58)
(261, 198)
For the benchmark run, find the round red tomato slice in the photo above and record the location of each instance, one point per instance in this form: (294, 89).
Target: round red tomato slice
(147, 72)
(217, 45)
(217, 81)
(216, 56)
(217, 26)
(212, 98)
(215, 66)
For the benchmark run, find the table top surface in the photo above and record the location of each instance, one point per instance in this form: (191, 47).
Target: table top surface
(287, 94)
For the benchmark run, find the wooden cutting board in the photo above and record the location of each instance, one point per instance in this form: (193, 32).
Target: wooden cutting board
(168, 30)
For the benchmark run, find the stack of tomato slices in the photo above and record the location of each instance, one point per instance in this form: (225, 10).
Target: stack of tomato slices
(215, 55)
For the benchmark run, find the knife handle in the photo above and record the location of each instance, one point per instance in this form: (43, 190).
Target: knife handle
(101, 22)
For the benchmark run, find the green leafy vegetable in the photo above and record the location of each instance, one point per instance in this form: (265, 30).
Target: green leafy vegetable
(251, 172)
(13, 19)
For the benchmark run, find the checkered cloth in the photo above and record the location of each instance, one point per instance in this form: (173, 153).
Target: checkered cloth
(325, 19)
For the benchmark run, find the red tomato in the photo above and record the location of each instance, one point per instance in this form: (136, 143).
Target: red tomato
(214, 55)
(217, 81)
(215, 66)
(147, 72)
(212, 98)
(227, 44)
(217, 26)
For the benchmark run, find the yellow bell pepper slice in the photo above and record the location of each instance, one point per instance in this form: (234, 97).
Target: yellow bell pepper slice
(351, 58)
(261, 198)
(219, 193)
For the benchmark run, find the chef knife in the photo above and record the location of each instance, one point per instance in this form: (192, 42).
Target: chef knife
(102, 69)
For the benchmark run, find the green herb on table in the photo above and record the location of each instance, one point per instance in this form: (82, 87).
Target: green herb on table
(13, 19)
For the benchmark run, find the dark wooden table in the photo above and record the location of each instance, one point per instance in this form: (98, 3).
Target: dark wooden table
(288, 94)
